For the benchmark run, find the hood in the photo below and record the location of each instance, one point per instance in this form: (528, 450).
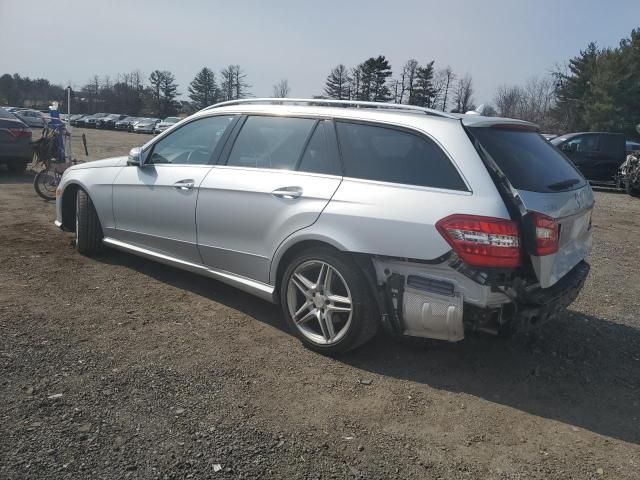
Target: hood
(107, 162)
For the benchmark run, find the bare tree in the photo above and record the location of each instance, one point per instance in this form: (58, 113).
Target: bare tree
(447, 78)
(463, 95)
(408, 81)
(233, 84)
(281, 89)
(508, 101)
(532, 102)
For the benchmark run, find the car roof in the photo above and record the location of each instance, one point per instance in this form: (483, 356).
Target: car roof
(406, 115)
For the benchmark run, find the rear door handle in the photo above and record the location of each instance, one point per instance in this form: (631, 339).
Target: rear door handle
(184, 184)
(287, 192)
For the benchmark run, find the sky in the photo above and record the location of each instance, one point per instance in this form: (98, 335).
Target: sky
(496, 42)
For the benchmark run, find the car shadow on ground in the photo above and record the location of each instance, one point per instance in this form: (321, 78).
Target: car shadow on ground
(580, 370)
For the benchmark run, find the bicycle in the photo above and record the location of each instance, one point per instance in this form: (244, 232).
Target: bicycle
(49, 153)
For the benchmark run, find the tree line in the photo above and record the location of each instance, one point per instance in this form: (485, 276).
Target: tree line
(599, 89)
(129, 93)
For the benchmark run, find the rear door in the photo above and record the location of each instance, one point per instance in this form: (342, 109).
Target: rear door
(547, 183)
(276, 177)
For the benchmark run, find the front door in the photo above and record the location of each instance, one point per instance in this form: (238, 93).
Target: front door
(154, 205)
(280, 174)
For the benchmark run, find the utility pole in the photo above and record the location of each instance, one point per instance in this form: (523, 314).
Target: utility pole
(68, 102)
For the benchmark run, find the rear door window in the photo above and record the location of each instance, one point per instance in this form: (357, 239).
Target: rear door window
(391, 155)
(528, 160)
(319, 157)
(270, 142)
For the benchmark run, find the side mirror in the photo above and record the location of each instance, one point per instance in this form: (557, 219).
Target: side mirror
(135, 157)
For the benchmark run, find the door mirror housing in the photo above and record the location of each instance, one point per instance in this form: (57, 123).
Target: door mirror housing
(135, 157)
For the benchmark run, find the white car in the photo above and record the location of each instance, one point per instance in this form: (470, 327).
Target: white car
(145, 125)
(166, 123)
(426, 223)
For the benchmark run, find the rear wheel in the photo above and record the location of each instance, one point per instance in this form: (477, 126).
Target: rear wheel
(88, 229)
(327, 303)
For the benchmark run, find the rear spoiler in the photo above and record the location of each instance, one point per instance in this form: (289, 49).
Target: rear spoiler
(497, 122)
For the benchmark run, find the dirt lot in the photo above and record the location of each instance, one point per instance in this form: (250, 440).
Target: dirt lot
(116, 367)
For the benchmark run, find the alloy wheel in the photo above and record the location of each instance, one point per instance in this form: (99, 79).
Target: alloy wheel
(320, 302)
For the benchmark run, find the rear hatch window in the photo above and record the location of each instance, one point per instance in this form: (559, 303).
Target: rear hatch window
(529, 161)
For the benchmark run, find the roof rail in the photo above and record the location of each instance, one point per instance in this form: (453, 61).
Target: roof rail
(320, 102)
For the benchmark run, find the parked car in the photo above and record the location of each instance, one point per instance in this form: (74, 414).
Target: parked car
(631, 146)
(126, 123)
(15, 139)
(73, 120)
(598, 155)
(166, 123)
(146, 125)
(423, 222)
(33, 118)
(109, 121)
(90, 121)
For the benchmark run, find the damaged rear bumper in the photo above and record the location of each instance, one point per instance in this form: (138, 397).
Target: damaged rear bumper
(543, 304)
(434, 302)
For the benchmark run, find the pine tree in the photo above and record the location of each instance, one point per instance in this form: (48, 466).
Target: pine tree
(574, 86)
(203, 90)
(373, 82)
(424, 91)
(337, 84)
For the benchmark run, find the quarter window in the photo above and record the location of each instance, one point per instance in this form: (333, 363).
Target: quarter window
(191, 144)
(391, 155)
(270, 142)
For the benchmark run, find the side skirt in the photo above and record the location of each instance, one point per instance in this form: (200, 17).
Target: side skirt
(259, 289)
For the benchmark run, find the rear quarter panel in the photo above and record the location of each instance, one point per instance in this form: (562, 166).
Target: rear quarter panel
(396, 220)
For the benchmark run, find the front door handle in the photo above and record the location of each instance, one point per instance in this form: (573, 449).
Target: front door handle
(287, 192)
(184, 184)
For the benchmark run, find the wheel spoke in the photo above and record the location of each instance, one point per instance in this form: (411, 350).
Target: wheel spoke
(326, 325)
(345, 301)
(326, 284)
(308, 284)
(324, 268)
(310, 315)
(302, 284)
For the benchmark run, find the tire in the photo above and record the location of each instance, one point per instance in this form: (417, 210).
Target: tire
(44, 185)
(324, 314)
(19, 167)
(88, 230)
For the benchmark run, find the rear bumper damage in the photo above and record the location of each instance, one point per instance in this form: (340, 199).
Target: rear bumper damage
(435, 301)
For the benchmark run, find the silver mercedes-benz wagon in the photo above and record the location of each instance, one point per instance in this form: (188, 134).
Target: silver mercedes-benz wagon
(352, 215)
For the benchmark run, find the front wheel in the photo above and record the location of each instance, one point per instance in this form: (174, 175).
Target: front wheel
(327, 303)
(45, 183)
(88, 229)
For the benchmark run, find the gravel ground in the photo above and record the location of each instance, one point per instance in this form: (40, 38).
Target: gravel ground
(116, 367)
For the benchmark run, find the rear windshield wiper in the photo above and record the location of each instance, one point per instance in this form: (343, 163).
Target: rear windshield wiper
(564, 184)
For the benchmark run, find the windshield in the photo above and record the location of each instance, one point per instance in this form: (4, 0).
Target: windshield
(528, 160)
(172, 120)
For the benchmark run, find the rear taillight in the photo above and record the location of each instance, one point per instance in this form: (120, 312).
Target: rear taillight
(547, 234)
(482, 241)
(20, 132)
